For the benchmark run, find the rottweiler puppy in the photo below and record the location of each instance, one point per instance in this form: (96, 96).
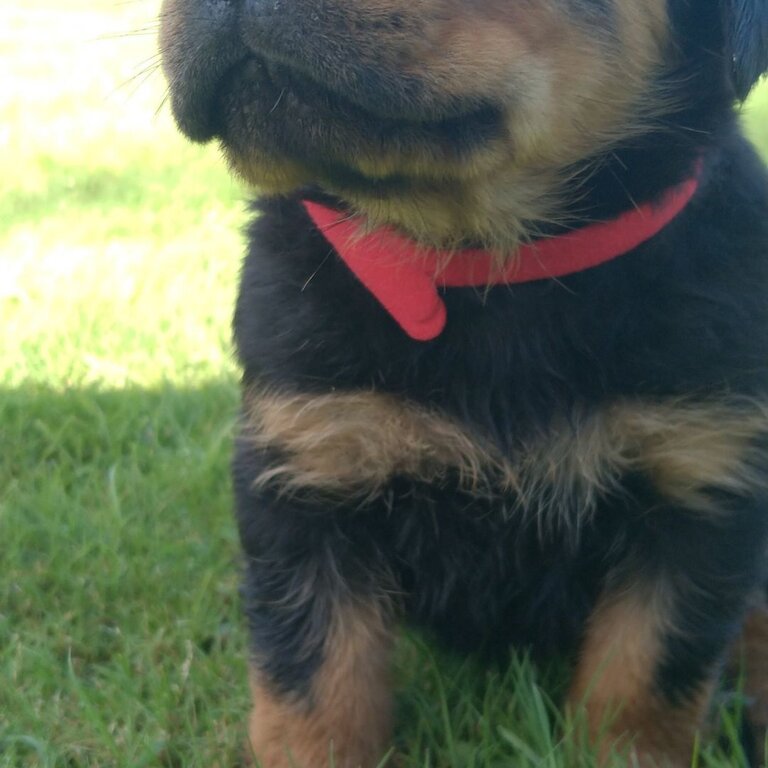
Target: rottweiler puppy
(503, 325)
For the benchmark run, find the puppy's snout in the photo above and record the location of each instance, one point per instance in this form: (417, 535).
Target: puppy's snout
(280, 29)
(199, 42)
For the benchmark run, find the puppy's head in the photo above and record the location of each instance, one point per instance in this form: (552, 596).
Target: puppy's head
(442, 116)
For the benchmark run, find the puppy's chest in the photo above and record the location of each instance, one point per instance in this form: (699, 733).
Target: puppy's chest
(511, 540)
(500, 470)
(546, 397)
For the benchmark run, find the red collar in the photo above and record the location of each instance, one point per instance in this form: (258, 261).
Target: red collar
(404, 276)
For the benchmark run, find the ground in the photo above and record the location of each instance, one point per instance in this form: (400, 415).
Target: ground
(121, 640)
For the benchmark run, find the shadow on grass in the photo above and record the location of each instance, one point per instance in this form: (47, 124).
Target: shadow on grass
(120, 625)
(92, 426)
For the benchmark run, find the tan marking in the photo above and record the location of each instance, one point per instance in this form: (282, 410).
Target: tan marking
(685, 448)
(346, 722)
(355, 442)
(614, 682)
(352, 443)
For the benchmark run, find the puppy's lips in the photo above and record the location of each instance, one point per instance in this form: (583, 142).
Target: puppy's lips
(199, 95)
(276, 104)
(194, 95)
(332, 102)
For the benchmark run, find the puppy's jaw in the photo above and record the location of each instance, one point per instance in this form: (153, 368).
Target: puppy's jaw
(451, 121)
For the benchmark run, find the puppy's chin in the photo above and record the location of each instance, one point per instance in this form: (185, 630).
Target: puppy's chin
(280, 129)
(443, 182)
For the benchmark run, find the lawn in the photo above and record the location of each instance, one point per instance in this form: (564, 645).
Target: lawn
(121, 641)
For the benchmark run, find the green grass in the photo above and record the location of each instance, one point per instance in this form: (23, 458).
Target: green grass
(756, 117)
(121, 640)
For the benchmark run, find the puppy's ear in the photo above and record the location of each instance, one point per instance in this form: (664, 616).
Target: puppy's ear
(746, 32)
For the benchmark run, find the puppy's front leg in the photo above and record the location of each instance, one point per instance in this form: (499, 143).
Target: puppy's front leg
(321, 630)
(655, 643)
(617, 681)
(335, 712)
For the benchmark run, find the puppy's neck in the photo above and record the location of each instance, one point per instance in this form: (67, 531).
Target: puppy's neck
(515, 206)
(404, 276)
(498, 213)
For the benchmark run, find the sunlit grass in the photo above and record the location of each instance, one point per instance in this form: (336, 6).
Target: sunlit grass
(756, 117)
(119, 241)
(121, 641)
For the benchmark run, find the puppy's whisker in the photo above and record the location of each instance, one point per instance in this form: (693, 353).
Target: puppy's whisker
(147, 31)
(137, 80)
(277, 101)
(163, 102)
